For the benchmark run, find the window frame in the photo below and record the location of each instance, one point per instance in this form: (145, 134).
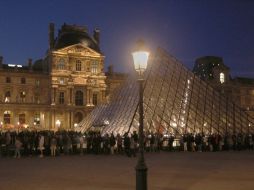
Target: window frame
(61, 98)
(78, 65)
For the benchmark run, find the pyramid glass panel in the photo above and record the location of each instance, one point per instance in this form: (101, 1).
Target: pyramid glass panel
(175, 101)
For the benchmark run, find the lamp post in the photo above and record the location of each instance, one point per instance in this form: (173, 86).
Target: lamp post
(140, 57)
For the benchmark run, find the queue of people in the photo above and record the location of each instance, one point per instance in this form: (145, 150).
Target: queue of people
(49, 143)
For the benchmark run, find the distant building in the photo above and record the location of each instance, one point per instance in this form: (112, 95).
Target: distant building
(241, 90)
(113, 81)
(59, 90)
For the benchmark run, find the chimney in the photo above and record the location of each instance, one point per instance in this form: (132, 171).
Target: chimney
(51, 35)
(1, 62)
(30, 64)
(96, 35)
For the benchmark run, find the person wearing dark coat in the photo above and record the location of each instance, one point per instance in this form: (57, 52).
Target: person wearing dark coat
(127, 144)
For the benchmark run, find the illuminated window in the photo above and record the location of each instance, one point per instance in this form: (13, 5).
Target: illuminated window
(22, 96)
(23, 80)
(7, 117)
(22, 118)
(222, 78)
(7, 97)
(61, 80)
(78, 65)
(8, 79)
(61, 98)
(79, 98)
(95, 99)
(61, 64)
(94, 67)
(37, 118)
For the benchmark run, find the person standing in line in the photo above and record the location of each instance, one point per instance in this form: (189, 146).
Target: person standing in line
(112, 142)
(185, 147)
(119, 144)
(132, 146)
(41, 145)
(8, 142)
(18, 145)
(127, 144)
(53, 144)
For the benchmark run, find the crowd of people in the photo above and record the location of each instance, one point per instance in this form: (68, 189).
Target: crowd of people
(50, 143)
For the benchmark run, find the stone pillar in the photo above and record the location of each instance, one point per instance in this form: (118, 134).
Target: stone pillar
(87, 97)
(103, 96)
(70, 120)
(53, 96)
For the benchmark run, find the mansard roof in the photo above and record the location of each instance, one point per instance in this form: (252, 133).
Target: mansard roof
(72, 34)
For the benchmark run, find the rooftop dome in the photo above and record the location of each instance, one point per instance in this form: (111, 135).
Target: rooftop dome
(72, 34)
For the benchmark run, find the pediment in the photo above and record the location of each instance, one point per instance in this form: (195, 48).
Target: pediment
(79, 50)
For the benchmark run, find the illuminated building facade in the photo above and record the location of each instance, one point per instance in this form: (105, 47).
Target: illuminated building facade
(59, 90)
(175, 101)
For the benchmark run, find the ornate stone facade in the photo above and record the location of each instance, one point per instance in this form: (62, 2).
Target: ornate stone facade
(59, 90)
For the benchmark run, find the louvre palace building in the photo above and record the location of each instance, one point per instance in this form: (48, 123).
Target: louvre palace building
(59, 90)
(69, 89)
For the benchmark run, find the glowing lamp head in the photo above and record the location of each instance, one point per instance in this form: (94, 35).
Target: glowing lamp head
(58, 123)
(140, 58)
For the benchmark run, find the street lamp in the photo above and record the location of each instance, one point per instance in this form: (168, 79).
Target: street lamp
(58, 123)
(140, 57)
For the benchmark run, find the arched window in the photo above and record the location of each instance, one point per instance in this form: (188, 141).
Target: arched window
(222, 78)
(7, 97)
(8, 79)
(7, 117)
(78, 117)
(78, 65)
(79, 98)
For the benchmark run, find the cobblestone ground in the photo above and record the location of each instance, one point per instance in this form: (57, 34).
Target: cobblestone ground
(167, 171)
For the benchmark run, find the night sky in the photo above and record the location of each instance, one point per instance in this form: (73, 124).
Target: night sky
(187, 29)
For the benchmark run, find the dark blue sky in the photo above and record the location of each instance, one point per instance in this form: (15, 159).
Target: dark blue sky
(187, 29)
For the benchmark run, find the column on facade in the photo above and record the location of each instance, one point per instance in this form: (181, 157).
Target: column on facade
(91, 97)
(71, 119)
(53, 96)
(70, 95)
(103, 95)
(88, 102)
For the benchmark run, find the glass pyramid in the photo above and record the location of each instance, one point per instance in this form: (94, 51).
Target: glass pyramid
(175, 101)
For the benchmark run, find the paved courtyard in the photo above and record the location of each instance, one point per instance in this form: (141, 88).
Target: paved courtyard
(167, 171)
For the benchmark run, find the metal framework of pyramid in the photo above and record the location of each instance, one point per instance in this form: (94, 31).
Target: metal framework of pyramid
(175, 101)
